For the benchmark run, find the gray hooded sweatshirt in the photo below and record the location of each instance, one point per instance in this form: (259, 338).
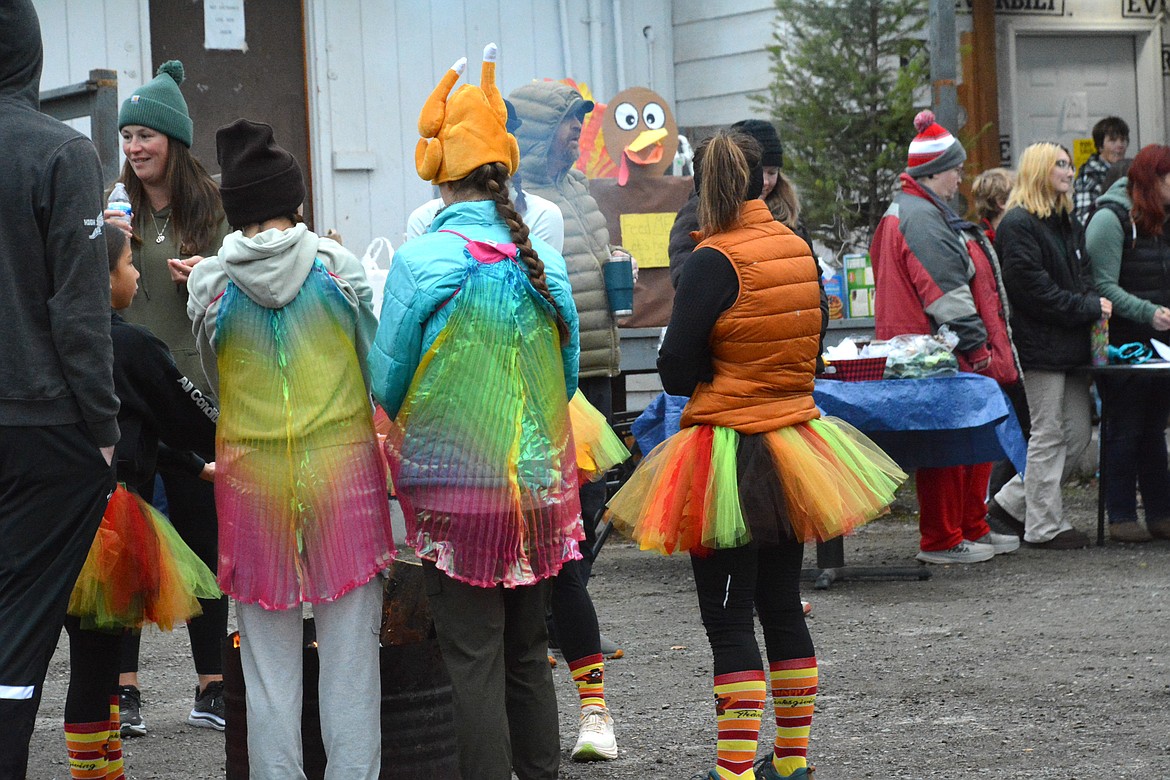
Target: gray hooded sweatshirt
(270, 268)
(56, 357)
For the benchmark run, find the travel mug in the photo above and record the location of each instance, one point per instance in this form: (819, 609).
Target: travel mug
(619, 284)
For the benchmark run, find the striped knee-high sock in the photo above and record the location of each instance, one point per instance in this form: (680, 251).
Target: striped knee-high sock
(86, 743)
(739, 706)
(589, 675)
(114, 766)
(794, 692)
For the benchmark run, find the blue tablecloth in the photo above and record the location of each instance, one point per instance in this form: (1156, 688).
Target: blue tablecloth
(935, 422)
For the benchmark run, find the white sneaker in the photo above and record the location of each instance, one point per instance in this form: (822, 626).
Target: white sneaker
(1001, 543)
(963, 552)
(595, 741)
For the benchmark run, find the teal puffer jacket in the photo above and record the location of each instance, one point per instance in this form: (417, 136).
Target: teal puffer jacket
(425, 275)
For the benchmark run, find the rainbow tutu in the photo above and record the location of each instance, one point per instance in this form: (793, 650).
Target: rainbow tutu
(689, 494)
(598, 448)
(139, 571)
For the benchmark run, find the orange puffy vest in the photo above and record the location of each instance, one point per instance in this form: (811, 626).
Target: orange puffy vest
(764, 347)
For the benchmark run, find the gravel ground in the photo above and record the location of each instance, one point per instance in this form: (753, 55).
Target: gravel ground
(1046, 665)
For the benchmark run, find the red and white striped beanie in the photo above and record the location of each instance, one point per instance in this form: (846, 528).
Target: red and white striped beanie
(933, 150)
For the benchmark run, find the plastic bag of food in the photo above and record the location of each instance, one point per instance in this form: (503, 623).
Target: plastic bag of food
(914, 355)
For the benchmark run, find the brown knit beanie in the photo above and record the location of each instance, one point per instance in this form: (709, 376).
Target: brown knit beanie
(258, 179)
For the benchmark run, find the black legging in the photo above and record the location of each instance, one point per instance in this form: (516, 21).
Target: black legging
(93, 672)
(191, 507)
(573, 618)
(730, 583)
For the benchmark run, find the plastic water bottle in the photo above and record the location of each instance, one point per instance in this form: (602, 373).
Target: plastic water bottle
(120, 201)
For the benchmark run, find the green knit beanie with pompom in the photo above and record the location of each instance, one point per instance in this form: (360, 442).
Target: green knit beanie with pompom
(160, 106)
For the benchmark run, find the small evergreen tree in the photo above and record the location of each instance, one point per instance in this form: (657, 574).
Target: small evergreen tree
(845, 74)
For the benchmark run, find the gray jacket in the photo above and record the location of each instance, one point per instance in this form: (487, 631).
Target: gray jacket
(56, 357)
(541, 106)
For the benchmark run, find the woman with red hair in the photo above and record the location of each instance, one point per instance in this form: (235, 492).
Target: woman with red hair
(1128, 240)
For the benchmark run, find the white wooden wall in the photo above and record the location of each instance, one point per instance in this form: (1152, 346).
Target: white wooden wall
(372, 65)
(720, 59)
(80, 35)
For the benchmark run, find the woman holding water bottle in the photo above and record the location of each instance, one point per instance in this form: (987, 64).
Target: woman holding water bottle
(1053, 307)
(176, 219)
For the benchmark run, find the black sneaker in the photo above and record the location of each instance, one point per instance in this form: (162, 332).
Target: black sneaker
(208, 710)
(130, 709)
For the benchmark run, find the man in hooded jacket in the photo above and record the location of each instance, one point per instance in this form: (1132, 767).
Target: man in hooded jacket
(550, 116)
(58, 411)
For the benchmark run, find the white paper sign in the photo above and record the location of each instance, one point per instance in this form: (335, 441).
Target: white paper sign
(223, 25)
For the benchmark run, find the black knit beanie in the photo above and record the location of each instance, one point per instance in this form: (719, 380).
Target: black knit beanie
(755, 176)
(768, 138)
(258, 179)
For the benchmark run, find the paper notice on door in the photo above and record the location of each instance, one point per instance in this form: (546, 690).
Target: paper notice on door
(223, 25)
(1074, 114)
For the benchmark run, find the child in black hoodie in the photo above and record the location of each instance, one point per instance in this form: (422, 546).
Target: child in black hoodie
(138, 570)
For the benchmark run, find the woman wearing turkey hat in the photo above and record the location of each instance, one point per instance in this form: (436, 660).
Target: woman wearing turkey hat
(475, 360)
(177, 220)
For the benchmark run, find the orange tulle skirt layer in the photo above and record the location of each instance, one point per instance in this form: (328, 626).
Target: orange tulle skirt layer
(139, 571)
(687, 493)
(598, 448)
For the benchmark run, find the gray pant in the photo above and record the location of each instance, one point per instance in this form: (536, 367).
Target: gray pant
(350, 688)
(1058, 403)
(495, 648)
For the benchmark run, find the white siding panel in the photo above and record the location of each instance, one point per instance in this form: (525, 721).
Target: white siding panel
(81, 35)
(373, 64)
(722, 37)
(687, 11)
(747, 72)
(718, 110)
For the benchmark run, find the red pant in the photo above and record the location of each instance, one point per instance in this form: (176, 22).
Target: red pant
(952, 505)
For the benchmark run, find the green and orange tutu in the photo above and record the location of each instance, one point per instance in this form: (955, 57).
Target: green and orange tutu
(702, 489)
(139, 571)
(598, 448)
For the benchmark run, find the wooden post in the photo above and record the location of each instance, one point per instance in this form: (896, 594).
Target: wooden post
(983, 113)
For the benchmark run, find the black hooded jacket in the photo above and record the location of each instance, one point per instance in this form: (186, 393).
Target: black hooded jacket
(159, 404)
(56, 356)
(1050, 285)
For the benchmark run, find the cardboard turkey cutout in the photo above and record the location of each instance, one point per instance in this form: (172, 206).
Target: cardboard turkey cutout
(640, 133)
(640, 204)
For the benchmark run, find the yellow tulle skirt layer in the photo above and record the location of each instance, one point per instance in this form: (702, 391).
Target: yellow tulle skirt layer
(816, 480)
(598, 448)
(139, 571)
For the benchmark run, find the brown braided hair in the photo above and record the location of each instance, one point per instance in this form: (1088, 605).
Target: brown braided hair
(492, 178)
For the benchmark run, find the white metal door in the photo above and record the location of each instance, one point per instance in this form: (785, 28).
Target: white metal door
(1066, 83)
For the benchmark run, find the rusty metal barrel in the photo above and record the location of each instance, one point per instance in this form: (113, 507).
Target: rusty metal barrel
(418, 722)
